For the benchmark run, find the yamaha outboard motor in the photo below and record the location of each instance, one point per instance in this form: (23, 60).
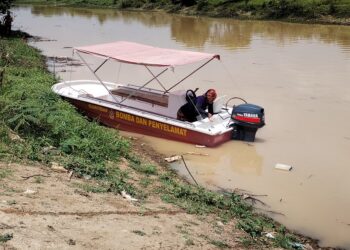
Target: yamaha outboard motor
(247, 119)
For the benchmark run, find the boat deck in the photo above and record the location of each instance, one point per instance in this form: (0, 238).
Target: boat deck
(142, 95)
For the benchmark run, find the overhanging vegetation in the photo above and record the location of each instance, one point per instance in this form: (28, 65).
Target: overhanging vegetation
(300, 10)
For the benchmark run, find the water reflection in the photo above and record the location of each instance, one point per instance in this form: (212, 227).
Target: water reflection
(197, 31)
(193, 32)
(150, 19)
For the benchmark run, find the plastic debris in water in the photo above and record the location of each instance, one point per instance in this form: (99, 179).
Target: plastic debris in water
(173, 158)
(284, 167)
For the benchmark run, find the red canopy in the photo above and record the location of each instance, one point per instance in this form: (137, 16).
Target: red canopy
(135, 53)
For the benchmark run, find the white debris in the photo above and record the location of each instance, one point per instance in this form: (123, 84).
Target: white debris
(29, 191)
(173, 158)
(284, 167)
(270, 235)
(200, 146)
(128, 196)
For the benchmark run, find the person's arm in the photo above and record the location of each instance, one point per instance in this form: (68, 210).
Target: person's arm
(201, 106)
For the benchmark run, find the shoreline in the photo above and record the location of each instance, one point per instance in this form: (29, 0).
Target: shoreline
(191, 11)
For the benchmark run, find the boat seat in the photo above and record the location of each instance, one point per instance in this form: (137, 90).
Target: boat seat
(142, 95)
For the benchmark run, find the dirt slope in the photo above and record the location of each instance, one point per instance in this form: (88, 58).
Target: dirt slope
(51, 211)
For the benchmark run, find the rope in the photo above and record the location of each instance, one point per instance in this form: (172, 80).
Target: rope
(183, 159)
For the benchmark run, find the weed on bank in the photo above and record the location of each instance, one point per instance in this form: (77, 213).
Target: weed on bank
(44, 128)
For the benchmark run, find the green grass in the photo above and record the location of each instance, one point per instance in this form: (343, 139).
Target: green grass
(145, 168)
(219, 244)
(43, 119)
(5, 237)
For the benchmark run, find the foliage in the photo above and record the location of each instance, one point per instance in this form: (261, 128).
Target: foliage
(252, 225)
(147, 169)
(5, 20)
(43, 120)
(5, 237)
(5, 5)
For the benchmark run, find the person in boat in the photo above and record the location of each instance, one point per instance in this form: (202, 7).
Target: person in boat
(195, 108)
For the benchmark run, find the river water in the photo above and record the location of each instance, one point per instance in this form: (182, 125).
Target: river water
(299, 73)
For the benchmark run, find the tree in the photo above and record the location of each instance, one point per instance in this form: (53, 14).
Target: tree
(5, 5)
(5, 17)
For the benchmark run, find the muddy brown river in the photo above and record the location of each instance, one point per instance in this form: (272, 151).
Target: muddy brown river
(299, 73)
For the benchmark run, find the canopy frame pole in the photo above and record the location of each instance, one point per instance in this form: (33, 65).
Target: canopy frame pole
(97, 77)
(101, 65)
(133, 92)
(155, 77)
(194, 71)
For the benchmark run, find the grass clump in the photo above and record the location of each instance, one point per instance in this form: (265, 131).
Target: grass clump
(148, 169)
(197, 200)
(42, 119)
(219, 244)
(5, 237)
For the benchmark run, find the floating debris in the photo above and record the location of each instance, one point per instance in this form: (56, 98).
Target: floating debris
(173, 158)
(284, 167)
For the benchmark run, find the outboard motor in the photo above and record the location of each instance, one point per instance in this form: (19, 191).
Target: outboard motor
(247, 119)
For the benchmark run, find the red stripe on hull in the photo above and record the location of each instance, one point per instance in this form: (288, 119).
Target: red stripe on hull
(138, 124)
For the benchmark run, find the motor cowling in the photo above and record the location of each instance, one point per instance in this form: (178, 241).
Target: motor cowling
(247, 119)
